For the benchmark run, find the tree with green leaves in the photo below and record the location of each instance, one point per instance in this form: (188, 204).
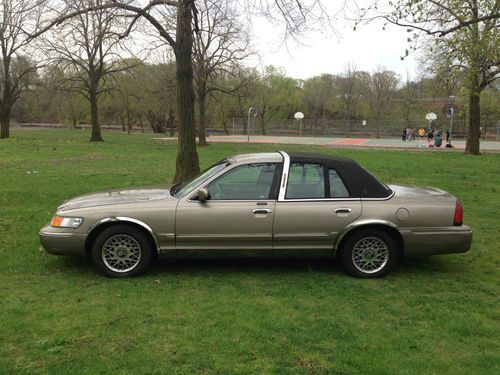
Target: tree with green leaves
(319, 96)
(276, 96)
(463, 37)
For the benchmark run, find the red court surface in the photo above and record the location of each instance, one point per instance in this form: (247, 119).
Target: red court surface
(349, 142)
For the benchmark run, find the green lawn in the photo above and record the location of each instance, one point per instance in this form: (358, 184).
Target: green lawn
(437, 315)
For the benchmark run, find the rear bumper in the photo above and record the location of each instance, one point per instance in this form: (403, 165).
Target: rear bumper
(62, 242)
(433, 241)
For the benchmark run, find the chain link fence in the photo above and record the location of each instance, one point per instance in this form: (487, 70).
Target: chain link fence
(320, 127)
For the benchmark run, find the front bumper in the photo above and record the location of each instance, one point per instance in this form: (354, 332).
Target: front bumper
(62, 241)
(433, 241)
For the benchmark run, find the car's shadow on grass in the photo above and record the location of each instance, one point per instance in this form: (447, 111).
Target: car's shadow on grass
(245, 266)
(272, 266)
(407, 266)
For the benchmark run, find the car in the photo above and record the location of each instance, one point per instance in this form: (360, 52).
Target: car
(274, 204)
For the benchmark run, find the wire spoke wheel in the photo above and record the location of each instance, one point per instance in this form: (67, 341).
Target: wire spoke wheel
(121, 253)
(370, 255)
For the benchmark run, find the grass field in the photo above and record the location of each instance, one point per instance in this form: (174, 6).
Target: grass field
(437, 315)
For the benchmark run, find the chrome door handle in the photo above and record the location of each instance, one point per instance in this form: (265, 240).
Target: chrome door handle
(262, 211)
(342, 210)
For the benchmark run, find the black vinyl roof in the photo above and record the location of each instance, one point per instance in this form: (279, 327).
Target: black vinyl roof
(359, 182)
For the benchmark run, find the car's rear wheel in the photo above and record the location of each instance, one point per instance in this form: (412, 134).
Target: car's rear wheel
(369, 253)
(122, 251)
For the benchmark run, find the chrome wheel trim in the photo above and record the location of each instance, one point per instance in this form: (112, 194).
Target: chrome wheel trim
(121, 253)
(370, 255)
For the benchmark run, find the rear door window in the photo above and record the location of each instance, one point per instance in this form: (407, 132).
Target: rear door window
(305, 181)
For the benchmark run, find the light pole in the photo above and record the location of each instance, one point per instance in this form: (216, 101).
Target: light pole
(452, 111)
(255, 112)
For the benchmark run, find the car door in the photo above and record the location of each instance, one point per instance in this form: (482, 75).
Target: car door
(237, 217)
(314, 206)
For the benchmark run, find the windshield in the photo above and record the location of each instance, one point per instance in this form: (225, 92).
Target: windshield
(181, 190)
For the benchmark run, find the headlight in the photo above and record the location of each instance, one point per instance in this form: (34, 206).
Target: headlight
(66, 222)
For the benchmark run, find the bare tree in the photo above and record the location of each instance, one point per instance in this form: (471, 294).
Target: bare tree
(219, 46)
(296, 15)
(409, 98)
(382, 86)
(349, 90)
(88, 48)
(18, 20)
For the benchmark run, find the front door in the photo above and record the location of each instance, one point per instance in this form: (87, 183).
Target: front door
(236, 219)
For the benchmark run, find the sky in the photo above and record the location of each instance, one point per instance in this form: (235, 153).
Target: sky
(329, 52)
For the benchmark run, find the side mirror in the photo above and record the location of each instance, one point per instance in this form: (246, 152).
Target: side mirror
(202, 195)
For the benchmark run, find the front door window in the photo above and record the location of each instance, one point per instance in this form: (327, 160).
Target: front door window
(245, 182)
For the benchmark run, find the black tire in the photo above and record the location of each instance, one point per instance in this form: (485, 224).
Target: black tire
(369, 253)
(122, 251)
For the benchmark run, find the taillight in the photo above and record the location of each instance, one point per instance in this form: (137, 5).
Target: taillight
(459, 214)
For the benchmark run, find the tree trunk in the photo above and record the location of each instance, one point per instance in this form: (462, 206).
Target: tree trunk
(94, 118)
(122, 122)
(379, 120)
(5, 124)
(224, 124)
(262, 123)
(6, 99)
(472, 144)
(140, 123)
(202, 137)
(171, 120)
(129, 123)
(187, 163)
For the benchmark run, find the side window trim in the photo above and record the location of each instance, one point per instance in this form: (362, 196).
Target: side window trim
(326, 175)
(284, 176)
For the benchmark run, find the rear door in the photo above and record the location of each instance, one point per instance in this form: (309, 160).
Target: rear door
(314, 206)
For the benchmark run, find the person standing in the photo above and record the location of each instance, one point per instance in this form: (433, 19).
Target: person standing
(438, 139)
(421, 133)
(403, 135)
(408, 134)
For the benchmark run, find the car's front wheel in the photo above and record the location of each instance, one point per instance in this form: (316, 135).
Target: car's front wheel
(122, 251)
(369, 253)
